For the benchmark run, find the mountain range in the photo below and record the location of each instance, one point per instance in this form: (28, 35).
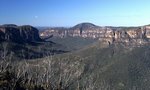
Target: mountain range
(130, 36)
(83, 57)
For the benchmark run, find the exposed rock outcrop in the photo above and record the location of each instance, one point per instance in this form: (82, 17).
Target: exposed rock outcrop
(126, 35)
(19, 34)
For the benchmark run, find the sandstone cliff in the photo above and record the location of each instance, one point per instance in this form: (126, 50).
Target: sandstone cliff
(125, 35)
(19, 34)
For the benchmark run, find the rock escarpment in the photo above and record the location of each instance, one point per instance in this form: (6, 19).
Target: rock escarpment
(126, 35)
(21, 34)
(134, 36)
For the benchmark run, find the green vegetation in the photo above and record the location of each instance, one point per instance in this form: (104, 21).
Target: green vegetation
(29, 50)
(73, 43)
(111, 68)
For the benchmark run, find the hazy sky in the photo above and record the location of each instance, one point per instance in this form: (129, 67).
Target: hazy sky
(71, 12)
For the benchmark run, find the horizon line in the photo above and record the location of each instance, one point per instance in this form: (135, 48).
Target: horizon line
(52, 26)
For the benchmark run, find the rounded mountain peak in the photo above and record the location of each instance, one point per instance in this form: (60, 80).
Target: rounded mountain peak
(84, 26)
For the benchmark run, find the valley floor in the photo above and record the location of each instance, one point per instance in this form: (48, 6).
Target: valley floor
(93, 68)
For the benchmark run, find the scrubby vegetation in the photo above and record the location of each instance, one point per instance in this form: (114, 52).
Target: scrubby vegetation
(46, 74)
(111, 68)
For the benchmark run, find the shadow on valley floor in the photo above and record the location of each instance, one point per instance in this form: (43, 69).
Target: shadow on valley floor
(31, 50)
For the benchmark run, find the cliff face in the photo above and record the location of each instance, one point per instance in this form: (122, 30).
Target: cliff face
(126, 35)
(19, 33)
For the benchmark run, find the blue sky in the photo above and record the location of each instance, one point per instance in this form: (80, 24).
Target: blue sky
(71, 12)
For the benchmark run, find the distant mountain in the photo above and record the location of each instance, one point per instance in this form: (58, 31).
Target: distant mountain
(84, 26)
(130, 36)
(72, 31)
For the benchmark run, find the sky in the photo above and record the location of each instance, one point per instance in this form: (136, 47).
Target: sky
(71, 12)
